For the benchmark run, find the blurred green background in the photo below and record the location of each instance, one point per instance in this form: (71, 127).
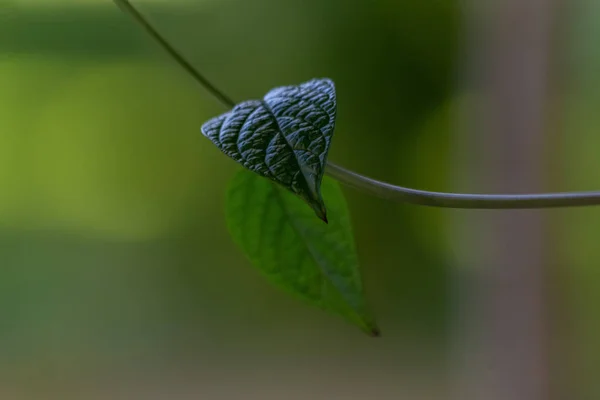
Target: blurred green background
(117, 276)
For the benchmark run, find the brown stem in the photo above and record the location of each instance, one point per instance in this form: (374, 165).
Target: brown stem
(502, 337)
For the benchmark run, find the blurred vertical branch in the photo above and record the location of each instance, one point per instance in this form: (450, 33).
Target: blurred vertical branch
(502, 336)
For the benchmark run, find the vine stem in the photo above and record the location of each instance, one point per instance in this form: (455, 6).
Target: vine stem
(462, 200)
(383, 189)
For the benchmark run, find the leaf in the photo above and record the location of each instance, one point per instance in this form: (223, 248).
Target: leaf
(297, 252)
(284, 137)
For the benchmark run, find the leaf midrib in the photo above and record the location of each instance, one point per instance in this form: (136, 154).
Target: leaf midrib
(283, 205)
(287, 142)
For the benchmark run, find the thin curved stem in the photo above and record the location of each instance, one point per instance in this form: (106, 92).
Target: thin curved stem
(462, 200)
(126, 6)
(383, 189)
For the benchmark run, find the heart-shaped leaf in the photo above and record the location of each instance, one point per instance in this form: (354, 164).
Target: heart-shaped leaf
(284, 137)
(281, 237)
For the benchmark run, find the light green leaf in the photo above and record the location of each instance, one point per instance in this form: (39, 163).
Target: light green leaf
(284, 137)
(297, 252)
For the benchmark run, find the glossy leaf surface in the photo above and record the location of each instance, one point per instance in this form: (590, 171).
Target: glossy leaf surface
(284, 137)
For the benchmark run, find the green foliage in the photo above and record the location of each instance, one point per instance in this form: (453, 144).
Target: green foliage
(296, 251)
(284, 137)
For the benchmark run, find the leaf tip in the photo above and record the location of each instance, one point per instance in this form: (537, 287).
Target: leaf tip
(322, 214)
(375, 332)
(319, 208)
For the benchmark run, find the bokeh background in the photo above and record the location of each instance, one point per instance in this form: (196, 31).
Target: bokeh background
(118, 279)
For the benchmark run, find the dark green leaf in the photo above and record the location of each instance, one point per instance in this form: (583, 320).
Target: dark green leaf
(297, 252)
(284, 137)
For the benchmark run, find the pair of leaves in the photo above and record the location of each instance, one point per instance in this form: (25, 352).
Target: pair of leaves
(286, 138)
